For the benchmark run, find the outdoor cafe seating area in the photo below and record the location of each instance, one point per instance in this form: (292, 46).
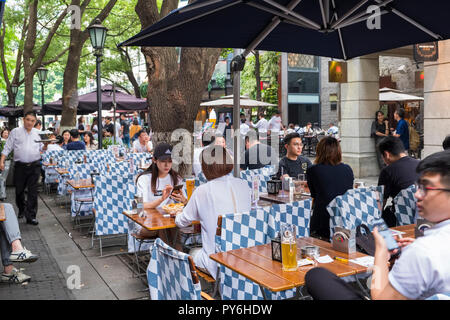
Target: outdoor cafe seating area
(98, 189)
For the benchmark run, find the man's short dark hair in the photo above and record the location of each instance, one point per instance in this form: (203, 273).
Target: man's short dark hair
(400, 112)
(251, 136)
(32, 113)
(59, 139)
(290, 136)
(227, 118)
(392, 145)
(446, 143)
(141, 132)
(74, 133)
(108, 118)
(438, 163)
(38, 123)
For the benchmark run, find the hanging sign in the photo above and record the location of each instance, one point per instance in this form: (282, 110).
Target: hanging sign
(428, 51)
(337, 71)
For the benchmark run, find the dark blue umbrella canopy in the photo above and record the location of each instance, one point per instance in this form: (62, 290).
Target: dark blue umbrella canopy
(332, 28)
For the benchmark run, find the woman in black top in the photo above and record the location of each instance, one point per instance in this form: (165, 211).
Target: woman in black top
(327, 179)
(379, 130)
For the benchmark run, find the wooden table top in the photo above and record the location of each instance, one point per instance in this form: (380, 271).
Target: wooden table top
(278, 198)
(408, 229)
(48, 164)
(154, 219)
(256, 264)
(62, 171)
(81, 184)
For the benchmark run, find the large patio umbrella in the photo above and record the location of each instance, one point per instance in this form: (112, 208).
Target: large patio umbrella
(15, 112)
(87, 103)
(392, 95)
(334, 28)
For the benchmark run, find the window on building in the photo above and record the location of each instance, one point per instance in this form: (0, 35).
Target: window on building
(303, 82)
(302, 61)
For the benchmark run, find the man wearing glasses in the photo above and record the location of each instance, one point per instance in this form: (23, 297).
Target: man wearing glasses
(423, 268)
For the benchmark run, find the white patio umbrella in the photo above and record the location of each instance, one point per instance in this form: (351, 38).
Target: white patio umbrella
(246, 102)
(387, 95)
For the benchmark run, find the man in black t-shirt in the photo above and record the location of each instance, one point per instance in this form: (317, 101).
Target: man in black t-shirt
(109, 126)
(399, 174)
(293, 163)
(257, 155)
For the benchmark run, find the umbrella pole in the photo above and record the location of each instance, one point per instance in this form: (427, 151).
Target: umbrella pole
(236, 119)
(114, 114)
(237, 65)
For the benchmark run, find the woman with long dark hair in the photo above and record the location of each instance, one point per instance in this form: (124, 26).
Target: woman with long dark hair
(89, 141)
(66, 137)
(379, 130)
(157, 182)
(327, 179)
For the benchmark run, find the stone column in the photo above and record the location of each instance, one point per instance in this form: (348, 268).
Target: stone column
(437, 100)
(359, 102)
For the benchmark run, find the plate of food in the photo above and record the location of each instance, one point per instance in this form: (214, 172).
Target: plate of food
(173, 208)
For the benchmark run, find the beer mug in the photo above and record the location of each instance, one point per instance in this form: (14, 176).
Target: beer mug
(190, 186)
(288, 247)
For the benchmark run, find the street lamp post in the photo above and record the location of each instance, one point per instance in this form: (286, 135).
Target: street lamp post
(14, 90)
(97, 33)
(42, 75)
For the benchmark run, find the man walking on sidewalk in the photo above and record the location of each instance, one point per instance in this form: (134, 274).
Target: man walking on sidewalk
(27, 160)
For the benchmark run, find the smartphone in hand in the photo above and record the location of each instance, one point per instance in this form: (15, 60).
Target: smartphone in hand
(386, 233)
(177, 188)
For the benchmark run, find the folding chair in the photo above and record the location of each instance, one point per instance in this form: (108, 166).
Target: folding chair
(113, 195)
(297, 213)
(405, 205)
(356, 206)
(243, 230)
(440, 296)
(82, 201)
(171, 275)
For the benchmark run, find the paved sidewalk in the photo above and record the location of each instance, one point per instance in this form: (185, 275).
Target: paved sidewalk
(47, 281)
(63, 250)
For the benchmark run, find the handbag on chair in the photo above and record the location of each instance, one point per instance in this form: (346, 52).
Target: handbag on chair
(365, 242)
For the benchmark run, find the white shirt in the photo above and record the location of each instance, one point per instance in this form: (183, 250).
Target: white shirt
(207, 202)
(212, 115)
(244, 128)
(262, 125)
(140, 148)
(144, 187)
(54, 147)
(423, 268)
(275, 124)
(23, 144)
(196, 164)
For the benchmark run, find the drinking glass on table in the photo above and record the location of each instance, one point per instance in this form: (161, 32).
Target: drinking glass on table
(288, 247)
(190, 186)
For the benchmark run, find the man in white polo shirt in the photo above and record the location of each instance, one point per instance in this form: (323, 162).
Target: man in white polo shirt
(423, 268)
(27, 158)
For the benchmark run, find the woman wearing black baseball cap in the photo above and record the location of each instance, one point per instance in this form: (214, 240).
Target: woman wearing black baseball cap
(157, 182)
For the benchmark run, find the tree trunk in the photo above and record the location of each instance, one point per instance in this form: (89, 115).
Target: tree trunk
(175, 90)
(70, 86)
(258, 75)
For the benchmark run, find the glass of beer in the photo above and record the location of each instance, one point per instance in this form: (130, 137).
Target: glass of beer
(288, 247)
(190, 186)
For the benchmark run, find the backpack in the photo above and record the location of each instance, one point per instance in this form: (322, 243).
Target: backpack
(414, 138)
